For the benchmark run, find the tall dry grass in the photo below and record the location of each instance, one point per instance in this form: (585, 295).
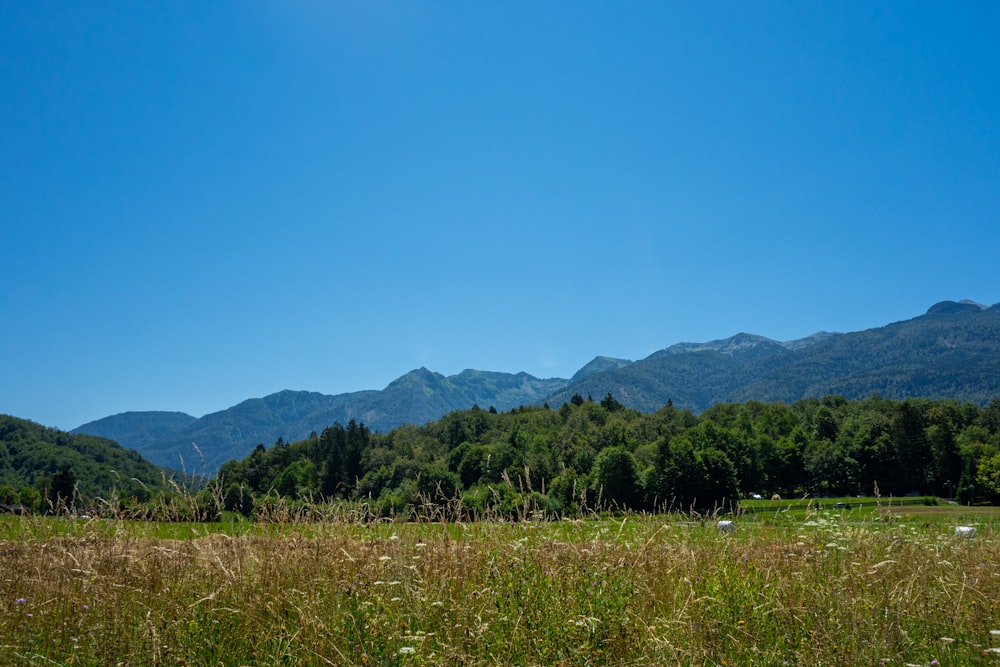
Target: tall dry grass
(639, 591)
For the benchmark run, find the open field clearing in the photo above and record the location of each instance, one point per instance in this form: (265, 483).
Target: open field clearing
(858, 587)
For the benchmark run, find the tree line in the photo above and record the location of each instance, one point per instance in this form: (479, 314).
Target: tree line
(600, 454)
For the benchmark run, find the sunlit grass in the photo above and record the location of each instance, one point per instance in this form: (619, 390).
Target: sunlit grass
(820, 587)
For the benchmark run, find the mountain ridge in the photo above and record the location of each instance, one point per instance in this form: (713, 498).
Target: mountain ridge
(952, 350)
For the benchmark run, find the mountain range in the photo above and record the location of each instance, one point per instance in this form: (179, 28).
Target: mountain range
(951, 351)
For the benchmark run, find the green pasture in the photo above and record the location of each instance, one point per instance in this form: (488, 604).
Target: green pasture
(344, 517)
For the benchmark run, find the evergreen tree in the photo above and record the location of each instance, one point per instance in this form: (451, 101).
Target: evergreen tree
(63, 486)
(611, 404)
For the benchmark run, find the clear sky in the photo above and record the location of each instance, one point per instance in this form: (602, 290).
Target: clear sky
(206, 202)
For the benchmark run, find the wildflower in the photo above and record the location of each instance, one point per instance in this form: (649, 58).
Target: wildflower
(21, 600)
(407, 650)
(84, 607)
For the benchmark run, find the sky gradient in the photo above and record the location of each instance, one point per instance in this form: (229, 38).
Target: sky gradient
(206, 202)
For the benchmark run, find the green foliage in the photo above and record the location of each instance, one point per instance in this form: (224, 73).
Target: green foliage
(988, 476)
(43, 468)
(588, 455)
(616, 478)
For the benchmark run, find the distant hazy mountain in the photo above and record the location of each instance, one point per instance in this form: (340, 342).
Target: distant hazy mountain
(952, 351)
(599, 365)
(742, 346)
(139, 426)
(807, 341)
(202, 445)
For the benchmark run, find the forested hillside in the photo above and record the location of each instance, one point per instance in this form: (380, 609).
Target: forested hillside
(591, 454)
(40, 465)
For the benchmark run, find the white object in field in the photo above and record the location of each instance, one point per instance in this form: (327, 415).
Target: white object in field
(965, 531)
(726, 526)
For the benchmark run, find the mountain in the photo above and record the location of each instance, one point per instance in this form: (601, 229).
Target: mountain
(689, 378)
(952, 351)
(139, 426)
(420, 396)
(599, 365)
(807, 341)
(32, 455)
(202, 445)
(742, 346)
(424, 396)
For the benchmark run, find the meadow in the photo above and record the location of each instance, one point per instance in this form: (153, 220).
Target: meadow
(872, 585)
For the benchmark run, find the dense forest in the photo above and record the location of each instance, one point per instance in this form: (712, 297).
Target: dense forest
(601, 454)
(43, 468)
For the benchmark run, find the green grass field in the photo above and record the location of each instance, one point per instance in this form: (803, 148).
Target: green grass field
(870, 585)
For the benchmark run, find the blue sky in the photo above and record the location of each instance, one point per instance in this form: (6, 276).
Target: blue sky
(206, 202)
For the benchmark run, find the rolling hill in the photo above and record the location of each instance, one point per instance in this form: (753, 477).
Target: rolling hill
(32, 455)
